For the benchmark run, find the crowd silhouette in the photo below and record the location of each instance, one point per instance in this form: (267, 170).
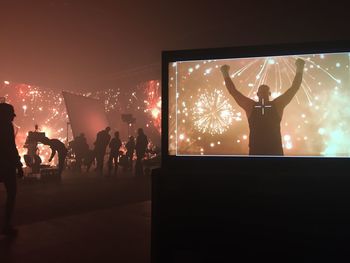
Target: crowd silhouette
(119, 154)
(82, 157)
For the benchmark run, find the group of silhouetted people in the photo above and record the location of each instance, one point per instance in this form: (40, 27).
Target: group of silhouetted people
(11, 166)
(83, 154)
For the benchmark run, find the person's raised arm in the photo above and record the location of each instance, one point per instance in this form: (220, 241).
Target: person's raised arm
(243, 101)
(283, 100)
(53, 153)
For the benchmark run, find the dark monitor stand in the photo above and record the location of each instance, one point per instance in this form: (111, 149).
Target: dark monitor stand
(233, 217)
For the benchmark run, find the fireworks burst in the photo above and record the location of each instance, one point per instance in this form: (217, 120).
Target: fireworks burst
(153, 102)
(212, 113)
(46, 107)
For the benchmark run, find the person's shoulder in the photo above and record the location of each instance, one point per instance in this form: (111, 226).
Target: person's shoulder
(275, 101)
(6, 126)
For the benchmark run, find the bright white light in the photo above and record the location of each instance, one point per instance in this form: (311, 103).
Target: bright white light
(287, 137)
(321, 131)
(208, 70)
(289, 145)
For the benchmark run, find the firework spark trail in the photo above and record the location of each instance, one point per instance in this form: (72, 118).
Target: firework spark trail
(243, 69)
(322, 69)
(279, 76)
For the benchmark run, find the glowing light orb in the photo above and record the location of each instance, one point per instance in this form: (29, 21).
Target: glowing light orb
(212, 113)
(287, 137)
(155, 112)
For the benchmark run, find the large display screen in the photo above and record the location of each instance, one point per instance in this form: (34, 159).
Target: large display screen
(293, 105)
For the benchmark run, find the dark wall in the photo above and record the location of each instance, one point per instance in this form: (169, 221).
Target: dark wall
(227, 217)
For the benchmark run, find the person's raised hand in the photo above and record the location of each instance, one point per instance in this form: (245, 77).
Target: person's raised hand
(225, 68)
(299, 63)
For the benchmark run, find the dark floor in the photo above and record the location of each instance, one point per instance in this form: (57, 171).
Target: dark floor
(86, 218)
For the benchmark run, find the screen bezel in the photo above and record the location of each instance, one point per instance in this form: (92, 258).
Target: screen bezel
(200, 163)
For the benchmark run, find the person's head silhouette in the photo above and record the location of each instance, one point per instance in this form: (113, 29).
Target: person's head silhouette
(7, 112)
(116, 134)
(108, 129)
(140, 131)
(264, 93)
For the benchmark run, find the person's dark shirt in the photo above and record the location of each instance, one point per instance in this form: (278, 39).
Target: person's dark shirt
(9, 156)
(102, 140)
(80, 146)
(141, 143)
(57, 146)
(114, 145)
(130, 148)
(265, 132)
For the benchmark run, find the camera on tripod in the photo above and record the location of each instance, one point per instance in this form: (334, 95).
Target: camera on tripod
(32, 158)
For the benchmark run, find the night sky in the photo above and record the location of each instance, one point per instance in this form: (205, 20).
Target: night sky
(76, 45)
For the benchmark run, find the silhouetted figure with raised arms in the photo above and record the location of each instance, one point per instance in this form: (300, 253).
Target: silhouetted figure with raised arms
(114, 147)
(101, 143)
(9, 163)
(264, 116)
(59, 147)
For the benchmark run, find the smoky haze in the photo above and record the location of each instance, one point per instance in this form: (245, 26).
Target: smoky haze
(80, 46)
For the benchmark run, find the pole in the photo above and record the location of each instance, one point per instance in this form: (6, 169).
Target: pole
(67, 142)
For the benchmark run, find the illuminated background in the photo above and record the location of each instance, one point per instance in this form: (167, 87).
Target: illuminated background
(205, 120)
(46, 107)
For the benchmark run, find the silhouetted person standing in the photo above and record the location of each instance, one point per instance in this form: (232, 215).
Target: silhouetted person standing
(130, 149)
(101, 143)
(264, 116)
(59, 147)
(114, 147)
(80, 149)
(9, 162)
(141, 147)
